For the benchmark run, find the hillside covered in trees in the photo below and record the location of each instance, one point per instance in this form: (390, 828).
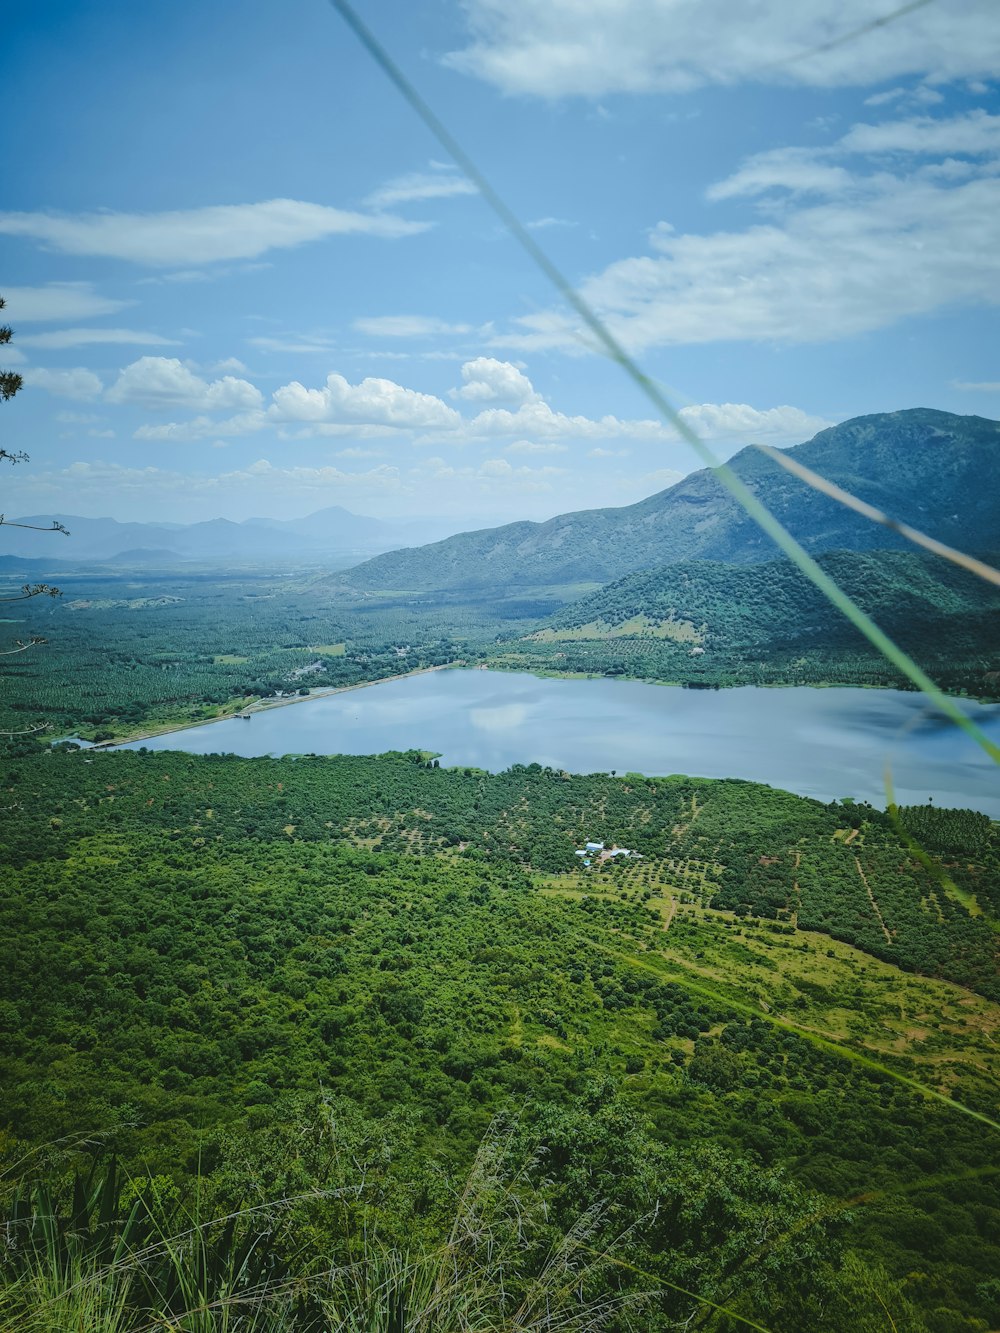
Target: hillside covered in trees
(708, 1056)
(727, 624)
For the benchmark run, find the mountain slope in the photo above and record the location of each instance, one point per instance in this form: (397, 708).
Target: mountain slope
(730, 605)
(704, 622)
(925, 467)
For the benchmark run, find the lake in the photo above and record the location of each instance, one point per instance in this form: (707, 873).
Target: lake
(827, 743)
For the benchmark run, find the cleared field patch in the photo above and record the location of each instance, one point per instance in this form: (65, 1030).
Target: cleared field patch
(680, 631)
(939, 1033)
(121, 603)
(328, 649)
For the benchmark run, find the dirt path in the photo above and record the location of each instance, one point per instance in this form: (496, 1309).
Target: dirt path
(798, 893)
(871, 899)
(679, 830)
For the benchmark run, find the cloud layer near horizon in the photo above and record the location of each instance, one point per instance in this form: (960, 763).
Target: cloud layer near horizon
(509, 407)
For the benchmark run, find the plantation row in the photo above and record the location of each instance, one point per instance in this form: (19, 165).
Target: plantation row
(849, 870)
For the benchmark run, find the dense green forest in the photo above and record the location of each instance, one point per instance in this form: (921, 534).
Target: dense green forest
(731, 1070)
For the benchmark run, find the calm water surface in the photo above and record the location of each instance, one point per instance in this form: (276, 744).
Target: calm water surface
(817, 742)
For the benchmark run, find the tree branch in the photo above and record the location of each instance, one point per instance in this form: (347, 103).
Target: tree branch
(22, 646)
(35, 527)
(30, 590)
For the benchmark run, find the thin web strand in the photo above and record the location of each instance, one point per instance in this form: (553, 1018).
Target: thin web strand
(677, 971)
(849, 501)
(740, 492)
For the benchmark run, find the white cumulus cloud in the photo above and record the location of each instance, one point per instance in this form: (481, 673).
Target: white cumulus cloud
(715, 421)
(198, 235)
(487, 380)
(537, 418)
(384, 409)
(161, 382)
(377, 402)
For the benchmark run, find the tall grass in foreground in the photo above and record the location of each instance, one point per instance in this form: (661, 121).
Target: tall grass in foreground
(116, 1257)
(98, 1264)
(736, 1250)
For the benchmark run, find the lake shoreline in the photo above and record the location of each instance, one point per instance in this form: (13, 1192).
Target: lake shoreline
(826, 743)
(545, 673)
(251, 709)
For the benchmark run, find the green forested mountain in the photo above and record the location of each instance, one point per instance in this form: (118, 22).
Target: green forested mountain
(308, 988)
(731, 605)
(728, 624)
(924, 467)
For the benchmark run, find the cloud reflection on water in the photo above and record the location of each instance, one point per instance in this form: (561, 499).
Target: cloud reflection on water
(826, 743)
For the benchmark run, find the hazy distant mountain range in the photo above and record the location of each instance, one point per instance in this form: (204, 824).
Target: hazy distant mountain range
(934, 470)
(332, 532)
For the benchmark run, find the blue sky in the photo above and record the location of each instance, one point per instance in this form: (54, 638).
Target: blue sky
(245, 280)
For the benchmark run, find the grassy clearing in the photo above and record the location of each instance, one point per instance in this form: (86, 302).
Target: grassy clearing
(679, 631)
(938, 1032)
